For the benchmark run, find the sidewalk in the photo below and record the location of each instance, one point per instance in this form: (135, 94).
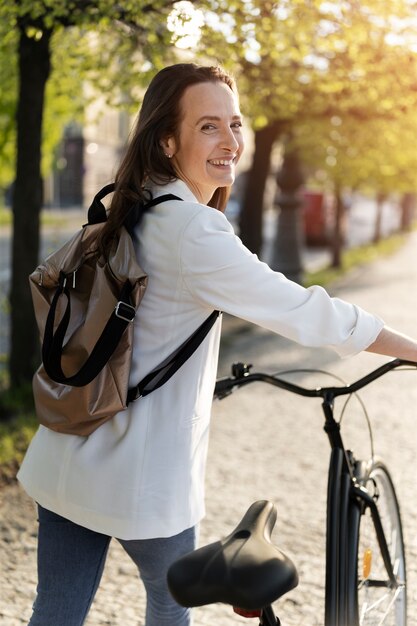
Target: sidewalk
(265, 444)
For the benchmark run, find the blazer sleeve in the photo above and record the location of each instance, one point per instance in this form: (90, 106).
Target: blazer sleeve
(221, 273)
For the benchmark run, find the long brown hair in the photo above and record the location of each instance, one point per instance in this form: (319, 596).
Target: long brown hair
(159, 117)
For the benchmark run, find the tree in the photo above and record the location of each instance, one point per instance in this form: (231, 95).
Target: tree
(64, 101)
(302, 62)
(251, 215)
(141, 27)
(8, 81)
(377, 157)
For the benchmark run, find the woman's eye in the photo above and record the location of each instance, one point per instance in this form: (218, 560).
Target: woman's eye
(212, 127)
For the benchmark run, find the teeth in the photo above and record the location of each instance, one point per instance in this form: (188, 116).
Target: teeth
(221, 162)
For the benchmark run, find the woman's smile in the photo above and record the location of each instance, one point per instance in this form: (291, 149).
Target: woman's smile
(222, 162)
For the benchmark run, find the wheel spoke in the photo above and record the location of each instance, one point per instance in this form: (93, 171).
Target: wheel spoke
(367, 608)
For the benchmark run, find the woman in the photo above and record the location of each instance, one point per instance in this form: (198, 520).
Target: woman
(140, 476)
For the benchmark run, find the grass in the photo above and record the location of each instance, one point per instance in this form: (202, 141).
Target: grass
(15, 436)
(5, 217)
(354, 258)
(17, 427)
(53, 219)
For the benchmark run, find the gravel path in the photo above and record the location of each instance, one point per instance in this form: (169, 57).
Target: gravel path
(265, 444)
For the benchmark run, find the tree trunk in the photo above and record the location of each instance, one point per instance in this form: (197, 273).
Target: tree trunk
(250, 222)
(34, 68)
(380, 199)
(408, 208)
(338, 239)
(289, 238)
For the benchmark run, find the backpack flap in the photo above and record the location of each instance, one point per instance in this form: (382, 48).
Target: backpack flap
(93, 287)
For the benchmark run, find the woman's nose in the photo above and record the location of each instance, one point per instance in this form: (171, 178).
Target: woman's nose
(230, 141)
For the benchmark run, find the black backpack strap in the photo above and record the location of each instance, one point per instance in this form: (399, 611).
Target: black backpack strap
(97, 211)
(161, 374)
(137, 210)
(159, 199)
(52, 346)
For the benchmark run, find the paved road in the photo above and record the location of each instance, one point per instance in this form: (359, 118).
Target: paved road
(265, 444)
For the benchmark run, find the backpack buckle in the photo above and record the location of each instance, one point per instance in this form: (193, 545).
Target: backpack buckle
(125, 311)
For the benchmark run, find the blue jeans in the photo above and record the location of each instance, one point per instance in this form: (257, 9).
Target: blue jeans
(71, 560)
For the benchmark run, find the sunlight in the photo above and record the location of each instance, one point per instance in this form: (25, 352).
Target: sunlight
(185, 23)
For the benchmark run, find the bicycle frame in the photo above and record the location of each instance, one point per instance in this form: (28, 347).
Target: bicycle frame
(344, 485)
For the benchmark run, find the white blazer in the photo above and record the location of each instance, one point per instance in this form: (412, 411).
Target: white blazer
(141, 474)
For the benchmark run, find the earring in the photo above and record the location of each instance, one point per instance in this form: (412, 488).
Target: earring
(169, 156)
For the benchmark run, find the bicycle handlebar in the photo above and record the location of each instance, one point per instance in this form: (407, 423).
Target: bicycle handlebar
(241, 376)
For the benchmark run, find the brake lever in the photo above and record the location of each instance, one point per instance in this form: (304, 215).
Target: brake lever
(224, 386)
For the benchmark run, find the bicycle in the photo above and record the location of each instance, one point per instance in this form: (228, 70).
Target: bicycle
(365, 581)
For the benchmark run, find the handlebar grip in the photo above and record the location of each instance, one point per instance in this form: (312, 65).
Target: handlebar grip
(224, 387)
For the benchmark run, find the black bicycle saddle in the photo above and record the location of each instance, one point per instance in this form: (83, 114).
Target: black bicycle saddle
(245, 569)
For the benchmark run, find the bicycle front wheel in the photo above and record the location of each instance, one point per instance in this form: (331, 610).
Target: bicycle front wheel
(373, 598)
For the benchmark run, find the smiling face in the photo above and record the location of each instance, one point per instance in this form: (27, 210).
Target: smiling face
(209, 142)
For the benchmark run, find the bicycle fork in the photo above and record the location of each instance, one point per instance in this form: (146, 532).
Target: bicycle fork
(363, 495)
(347, 502)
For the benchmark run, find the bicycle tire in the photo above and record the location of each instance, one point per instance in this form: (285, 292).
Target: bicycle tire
(370, 600)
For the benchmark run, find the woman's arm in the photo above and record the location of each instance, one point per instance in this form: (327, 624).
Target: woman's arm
(392, 343)
(220, 273)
